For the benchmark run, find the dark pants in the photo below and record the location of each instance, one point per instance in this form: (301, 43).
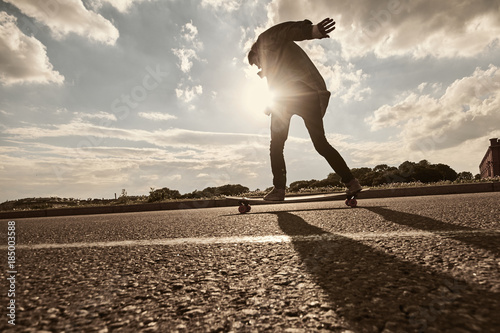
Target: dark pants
(308, 106)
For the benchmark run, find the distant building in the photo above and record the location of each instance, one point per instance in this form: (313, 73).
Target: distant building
(490, 165)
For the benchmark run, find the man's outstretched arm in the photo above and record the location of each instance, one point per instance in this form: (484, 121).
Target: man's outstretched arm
(298, 31)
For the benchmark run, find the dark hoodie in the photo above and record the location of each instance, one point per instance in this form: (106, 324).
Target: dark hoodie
(288, 69)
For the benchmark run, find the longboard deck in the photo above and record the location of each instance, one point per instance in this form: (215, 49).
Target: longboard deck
(305, 198)
(244, 203)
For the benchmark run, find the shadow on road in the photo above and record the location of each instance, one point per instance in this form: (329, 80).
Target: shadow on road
(487, 242)
(374, 290)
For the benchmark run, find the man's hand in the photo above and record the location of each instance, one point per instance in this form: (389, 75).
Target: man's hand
(323, 28)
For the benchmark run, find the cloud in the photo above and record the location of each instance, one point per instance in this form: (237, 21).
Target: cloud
(96, 172)
(223, 5)
(5, 113)
(188, 50)
(70, 16)
(23, 58)
(100, 171)
(222, 157)
(187, 94)
(98, 115)
(342, 78)
(122, 6)
(395, 27)
(172, 158)
(187, 89)
(156, 116)
(174, 137)
(190, 34)
(467, 110)
(205, 146)
(185, 56)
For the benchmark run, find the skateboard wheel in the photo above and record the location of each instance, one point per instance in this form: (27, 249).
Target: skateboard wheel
(243, 209)
(248, 208)
(351, 202)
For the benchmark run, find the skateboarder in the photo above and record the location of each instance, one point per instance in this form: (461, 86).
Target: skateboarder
(299, 89)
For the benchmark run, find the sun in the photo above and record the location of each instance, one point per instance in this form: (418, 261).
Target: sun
(256, 96)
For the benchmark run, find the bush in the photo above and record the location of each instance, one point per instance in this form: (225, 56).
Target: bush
(163, 194)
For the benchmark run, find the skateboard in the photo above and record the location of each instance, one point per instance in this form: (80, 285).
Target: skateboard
(244, 202)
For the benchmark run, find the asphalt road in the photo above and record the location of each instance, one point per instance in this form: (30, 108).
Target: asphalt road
(419, 264)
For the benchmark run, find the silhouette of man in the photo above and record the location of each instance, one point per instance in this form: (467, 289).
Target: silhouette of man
(299, 89)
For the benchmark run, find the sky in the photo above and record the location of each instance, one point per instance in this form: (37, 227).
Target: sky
(97, 96)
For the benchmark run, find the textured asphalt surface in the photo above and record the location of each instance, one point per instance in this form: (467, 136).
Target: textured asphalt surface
(419, 264)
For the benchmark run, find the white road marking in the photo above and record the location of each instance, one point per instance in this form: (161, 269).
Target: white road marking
(261, 239)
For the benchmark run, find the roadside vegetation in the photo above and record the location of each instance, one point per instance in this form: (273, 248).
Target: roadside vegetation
(408, 174)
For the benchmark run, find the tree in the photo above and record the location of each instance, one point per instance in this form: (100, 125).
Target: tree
(426, 174)
(298, 185)
(163, 194)
(406, 169)
(393, 175)
(231, 189)
(424, 164)
(381, 168)
(465, 175)
(334, 179)
(211, 192)
(364, 175)
(447, 173)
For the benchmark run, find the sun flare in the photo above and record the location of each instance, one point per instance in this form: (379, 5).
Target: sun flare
(257, 96)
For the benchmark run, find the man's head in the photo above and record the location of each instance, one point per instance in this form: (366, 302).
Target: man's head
(253, 57)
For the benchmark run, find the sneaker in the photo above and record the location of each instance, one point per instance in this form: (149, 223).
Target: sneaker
(353, 187)
(277, 194)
